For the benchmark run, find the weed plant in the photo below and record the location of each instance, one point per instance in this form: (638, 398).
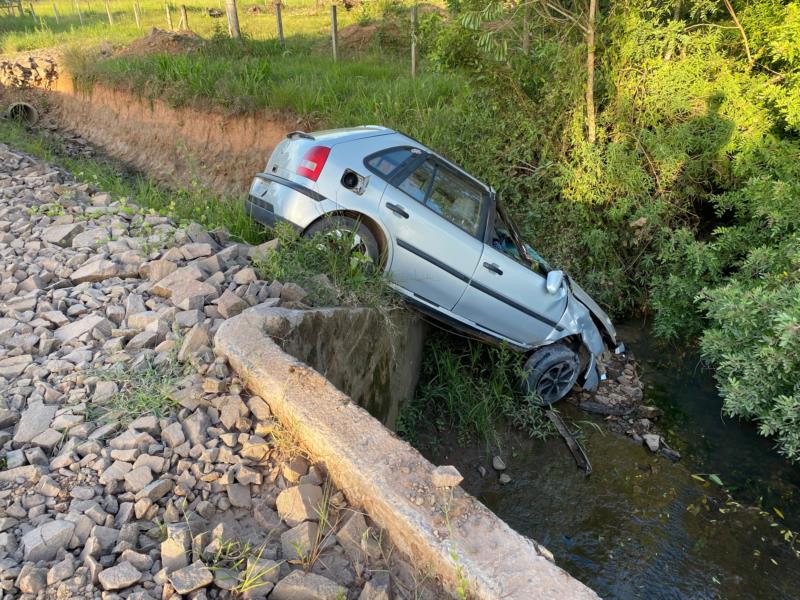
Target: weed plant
(143, 389)
(473, 389)
(327, 267)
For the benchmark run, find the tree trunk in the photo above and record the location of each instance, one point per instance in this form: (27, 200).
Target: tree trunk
(591, 126)
(526, 33)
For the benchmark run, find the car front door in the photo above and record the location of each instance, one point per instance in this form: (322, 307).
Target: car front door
(435, 216)
(507, 295)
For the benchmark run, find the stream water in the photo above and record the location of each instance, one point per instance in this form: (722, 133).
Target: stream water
(640, 526)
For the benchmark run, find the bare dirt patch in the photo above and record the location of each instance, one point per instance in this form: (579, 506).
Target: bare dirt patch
(158, 41)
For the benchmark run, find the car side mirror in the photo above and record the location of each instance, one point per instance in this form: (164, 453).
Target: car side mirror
(554, 281)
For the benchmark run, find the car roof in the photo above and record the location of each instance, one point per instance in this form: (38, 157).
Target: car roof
(333, 137)
(347, 134)
(402, 138)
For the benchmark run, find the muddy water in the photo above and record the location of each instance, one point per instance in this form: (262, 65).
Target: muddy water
(639, 526)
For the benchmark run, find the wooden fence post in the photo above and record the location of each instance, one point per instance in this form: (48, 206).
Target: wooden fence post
(279, 21)
(334, 33)
(108, 12)
(233, 19)
(33, 13)
(55, 13)
(137, 14)
(184, 24)
(78, 9)
(169, 16)
(414, 41)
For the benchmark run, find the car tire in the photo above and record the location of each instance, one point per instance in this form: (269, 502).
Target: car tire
(550, 373)
(347, 225)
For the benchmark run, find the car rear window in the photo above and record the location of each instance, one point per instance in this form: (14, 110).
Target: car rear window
(385, 163)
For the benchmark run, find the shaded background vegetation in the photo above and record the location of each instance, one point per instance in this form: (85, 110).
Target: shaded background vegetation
(676, 193)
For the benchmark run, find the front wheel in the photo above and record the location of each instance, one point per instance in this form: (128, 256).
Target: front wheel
(550, 373)
(340, 227)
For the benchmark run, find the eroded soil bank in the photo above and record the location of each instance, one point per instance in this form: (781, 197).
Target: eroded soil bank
(176, 146)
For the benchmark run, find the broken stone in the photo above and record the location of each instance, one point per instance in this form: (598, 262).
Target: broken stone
(446, 476)
(299, 540)
(299, 503)
(85, 325)
(14, 366)
(194, 340)
(306, 586)
(652, 440)
(351, 533)
(239, 495)
(44, 542)
(34, 421)
(119, 576)
(62, 235)
(98, 270)
(191, 578)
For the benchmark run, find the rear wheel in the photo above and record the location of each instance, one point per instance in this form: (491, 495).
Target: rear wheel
(341, 227)
(550, 373)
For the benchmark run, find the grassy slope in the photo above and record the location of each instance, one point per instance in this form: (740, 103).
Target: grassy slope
(303, 17)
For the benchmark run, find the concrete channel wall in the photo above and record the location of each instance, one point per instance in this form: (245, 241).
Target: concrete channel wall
(371, 355)
(445, 530)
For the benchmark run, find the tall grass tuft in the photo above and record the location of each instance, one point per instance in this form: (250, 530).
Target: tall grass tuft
(327, 267)
(471, 388)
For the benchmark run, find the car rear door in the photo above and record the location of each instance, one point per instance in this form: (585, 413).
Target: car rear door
(506, 295)
(436, 218)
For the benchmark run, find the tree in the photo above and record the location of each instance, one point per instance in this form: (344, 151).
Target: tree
(580, 14)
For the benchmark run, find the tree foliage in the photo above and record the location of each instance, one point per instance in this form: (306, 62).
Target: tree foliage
(687, 203)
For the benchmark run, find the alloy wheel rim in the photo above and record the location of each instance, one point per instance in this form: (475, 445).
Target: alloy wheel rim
(556, 382)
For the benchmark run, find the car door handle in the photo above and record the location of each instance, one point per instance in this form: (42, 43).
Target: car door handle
(493, 268)
(397, 209)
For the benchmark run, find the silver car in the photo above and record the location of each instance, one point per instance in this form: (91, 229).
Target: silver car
(446, 243)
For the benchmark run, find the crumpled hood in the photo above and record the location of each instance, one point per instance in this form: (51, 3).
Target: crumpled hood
(595, 309)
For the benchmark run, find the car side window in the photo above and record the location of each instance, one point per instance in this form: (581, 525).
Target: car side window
(446, 193)
(457, 199)
(387, 163)
(417, 183)
(502, 241)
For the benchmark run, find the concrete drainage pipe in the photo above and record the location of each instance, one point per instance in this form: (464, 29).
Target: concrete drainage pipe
(23, 113)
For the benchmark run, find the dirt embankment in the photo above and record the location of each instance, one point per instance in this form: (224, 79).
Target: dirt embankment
(174, 145)
(177, 146)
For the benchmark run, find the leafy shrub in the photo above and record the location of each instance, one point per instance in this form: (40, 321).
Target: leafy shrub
(754, 341)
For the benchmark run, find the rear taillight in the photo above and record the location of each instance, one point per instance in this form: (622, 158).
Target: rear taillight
(313, 161)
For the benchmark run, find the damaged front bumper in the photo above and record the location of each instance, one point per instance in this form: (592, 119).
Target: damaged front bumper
(580, 320)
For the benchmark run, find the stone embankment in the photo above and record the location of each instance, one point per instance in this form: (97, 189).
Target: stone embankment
(133, 463)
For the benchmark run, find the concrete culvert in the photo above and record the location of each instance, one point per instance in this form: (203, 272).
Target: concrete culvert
(23, 113)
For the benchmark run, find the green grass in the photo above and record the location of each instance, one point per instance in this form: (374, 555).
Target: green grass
(300, 18)
(472, 389)
(257, 75)
(185, 205)
(143, 390)
(351, 279)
